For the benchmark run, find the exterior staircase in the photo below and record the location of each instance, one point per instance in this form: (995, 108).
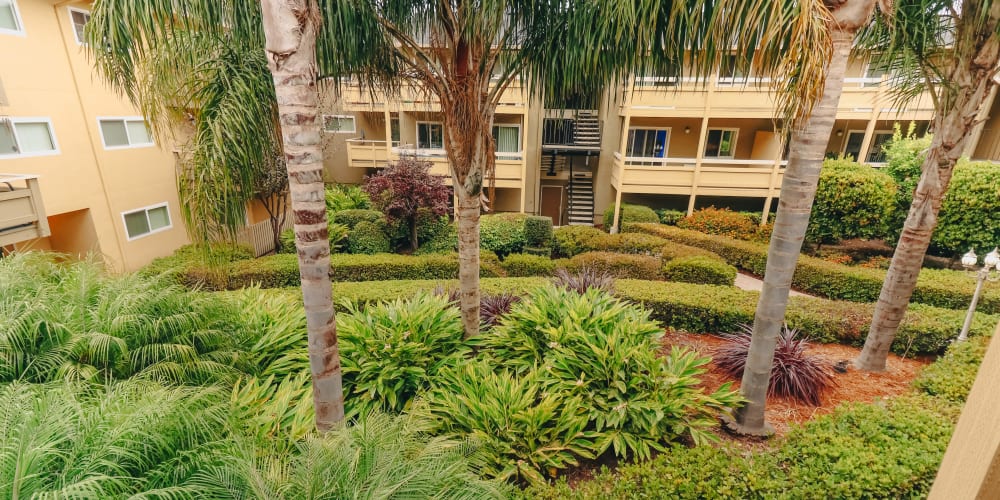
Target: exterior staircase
(587, 130)
(581, 199)
(547, 166)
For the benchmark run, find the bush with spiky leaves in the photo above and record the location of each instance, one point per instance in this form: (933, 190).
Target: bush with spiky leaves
(391, 351)
(794, 373)
(377, 456)
(492, 307)
(604, 351)
(73, 321)
(65, 441)
(585, 279)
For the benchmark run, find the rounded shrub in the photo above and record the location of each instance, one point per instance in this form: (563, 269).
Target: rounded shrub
(368, 238)
(353, 217)
(538, 231)
(970, 213)
(723, 222)
(904, 156)
(670, 217)
(619, 265)
(630, 214)
(519, 264)
(699, 269)
(852, 201)
(502, 233)
(573, 240)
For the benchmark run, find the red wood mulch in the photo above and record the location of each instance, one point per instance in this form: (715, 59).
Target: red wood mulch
(853, 386)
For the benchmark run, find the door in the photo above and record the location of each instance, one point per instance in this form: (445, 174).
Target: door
(552, 203)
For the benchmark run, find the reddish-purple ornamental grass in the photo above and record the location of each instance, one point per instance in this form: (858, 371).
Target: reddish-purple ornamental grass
(794, 373)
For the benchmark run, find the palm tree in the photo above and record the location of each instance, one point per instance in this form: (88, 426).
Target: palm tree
(951, 49)
(798, 189)
(123, 33)
(466, 53)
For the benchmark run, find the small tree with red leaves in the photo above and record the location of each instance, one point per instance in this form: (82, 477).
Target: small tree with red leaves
(403, 189)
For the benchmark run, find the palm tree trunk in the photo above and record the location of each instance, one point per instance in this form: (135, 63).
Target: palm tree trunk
(468, 259)
(798, 189)
(972, 80)
(290, 28)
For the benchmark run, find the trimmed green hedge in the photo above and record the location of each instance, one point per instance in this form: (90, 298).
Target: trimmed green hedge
(617, 265)
(520, 264)
(937, 287)
(699, 269)
(629, 213)
(279, 271)
(538, 231)
(952, 375)
(890, 450)
(717, 309)
(852, 201)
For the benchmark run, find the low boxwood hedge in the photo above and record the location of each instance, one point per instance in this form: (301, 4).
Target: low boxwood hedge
(937, 287)
(699, 269)
(952, 375)
(520, 264)
(882, 450)
(715, 309)
(617, 264)
(279, 271)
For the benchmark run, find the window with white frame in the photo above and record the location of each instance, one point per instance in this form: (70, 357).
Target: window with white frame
(720, 142)
(647, 142)
(125, 133)
(507, 138)
(430, 135)
(146, 221)
(27, 137)
(79, 18)
(10, 18)
(339, 124)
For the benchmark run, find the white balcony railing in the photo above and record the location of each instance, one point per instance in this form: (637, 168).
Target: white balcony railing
(709, 176)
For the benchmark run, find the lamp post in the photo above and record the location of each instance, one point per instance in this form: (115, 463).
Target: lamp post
(969, 260)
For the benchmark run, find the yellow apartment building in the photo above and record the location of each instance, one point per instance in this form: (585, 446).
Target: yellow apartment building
(655, 141)
(80, 172)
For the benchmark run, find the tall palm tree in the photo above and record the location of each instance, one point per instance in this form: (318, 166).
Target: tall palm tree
(951, 49)
(807, 148)
(124, 33)
(466, 53)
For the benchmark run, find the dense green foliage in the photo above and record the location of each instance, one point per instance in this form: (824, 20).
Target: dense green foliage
(518, 265)
(952, 375)
(904, 156)
(394, 350)
(583, 371)
(341, 197)
(699, 269)
(629, 213)
(937, 287)
(670, 217)
(574, 240)
(352, 217)
(616, 265)
(970, 212)
(368, 238)
(502, 234)
(74, 322)
(724, 222)
(852, 201)
(538, 231)
(704, 308)
(880, 450)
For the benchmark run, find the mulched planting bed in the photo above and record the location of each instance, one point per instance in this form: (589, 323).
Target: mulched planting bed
(852, 386)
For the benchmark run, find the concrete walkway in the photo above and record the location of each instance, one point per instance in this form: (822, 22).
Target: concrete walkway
(747, 282)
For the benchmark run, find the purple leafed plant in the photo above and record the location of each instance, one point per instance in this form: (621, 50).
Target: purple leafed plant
(794, 373)
(584, 279)
(492, 308)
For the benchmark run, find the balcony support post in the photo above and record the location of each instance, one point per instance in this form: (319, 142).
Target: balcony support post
(388, 134)
(702, 138)
(773, 184)
(618, 210)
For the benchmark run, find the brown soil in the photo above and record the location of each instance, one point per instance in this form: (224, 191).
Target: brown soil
(853, 386)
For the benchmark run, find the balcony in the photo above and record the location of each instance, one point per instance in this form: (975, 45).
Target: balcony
(688, 176)
(353, 97)
(363, 153)
(22, 215)
(726, 97)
